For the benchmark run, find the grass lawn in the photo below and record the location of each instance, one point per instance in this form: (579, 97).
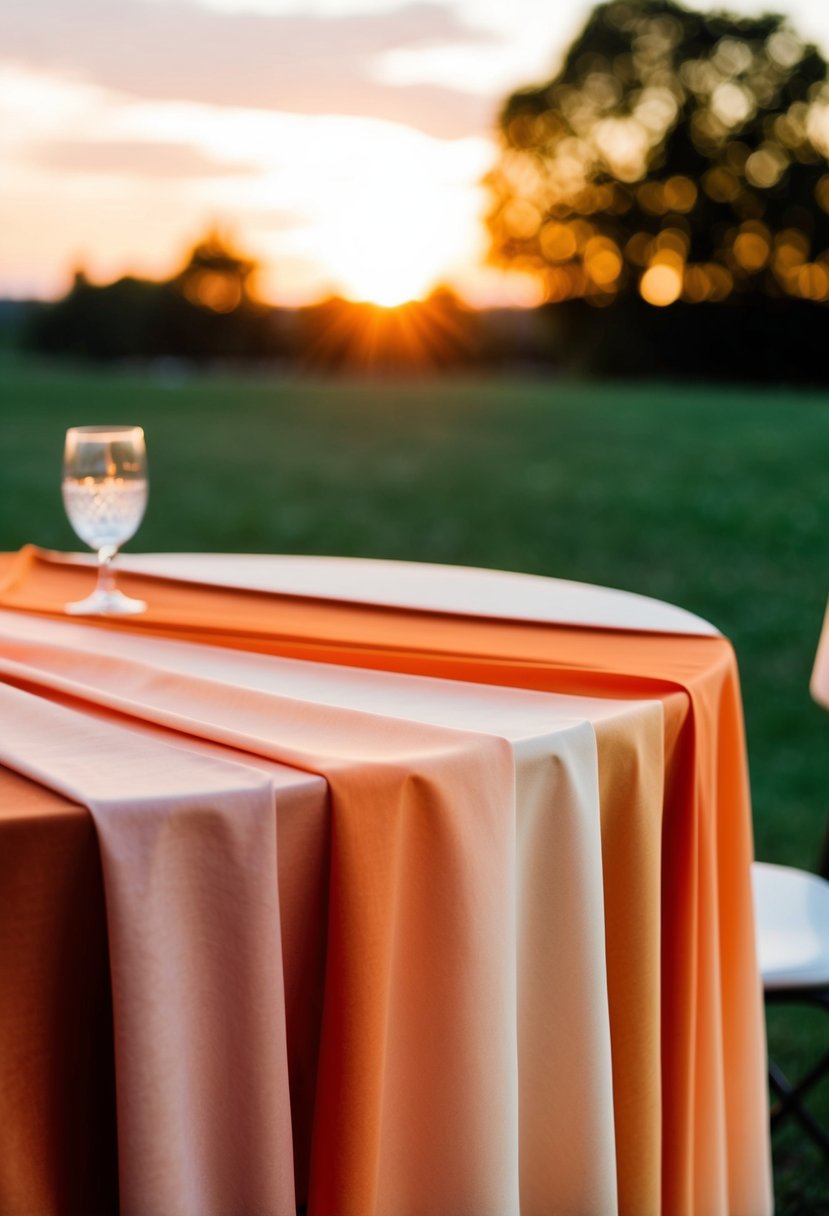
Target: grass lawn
(716, 499)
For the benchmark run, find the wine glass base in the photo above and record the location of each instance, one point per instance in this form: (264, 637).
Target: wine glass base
(106, 603)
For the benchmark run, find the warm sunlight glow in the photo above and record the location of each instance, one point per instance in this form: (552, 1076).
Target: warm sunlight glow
(327, 204)
(390, 239)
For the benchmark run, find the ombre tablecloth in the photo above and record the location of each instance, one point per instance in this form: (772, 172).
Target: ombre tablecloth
(375, 889)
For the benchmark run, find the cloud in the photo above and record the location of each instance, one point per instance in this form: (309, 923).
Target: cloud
(292, 62)
(133, 158)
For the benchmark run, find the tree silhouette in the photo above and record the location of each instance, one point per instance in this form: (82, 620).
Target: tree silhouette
(215, 277)
(205, 312)
(208, 310)
(676, 156)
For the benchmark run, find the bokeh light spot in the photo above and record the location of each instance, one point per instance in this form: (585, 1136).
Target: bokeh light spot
(785, 48)
(752, 247)
(213, 291)
(603, 261)
(522, 219)
(720, 185)
(721, 281)
(638, 248)
(673, 241)
(765, 167)
(661, 285)
(731, 103)
(813, 281)
(696, 285)
(680, 194)
(558, 242)
(651, 198)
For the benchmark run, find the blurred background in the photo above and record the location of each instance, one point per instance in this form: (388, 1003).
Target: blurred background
(536, 286)
(227, 180)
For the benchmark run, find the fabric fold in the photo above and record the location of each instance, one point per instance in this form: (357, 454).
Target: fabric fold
(714, 1102)
(57, 1085)
(188, 849)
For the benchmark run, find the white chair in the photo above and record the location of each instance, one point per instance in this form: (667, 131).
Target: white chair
(792, 920)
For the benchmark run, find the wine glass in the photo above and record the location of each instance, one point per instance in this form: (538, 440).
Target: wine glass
(105, 495)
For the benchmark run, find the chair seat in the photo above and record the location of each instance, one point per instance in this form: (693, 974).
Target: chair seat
(792, 918)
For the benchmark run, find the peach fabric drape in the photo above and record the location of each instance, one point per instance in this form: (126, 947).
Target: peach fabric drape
(713, 1103)
(188, 849)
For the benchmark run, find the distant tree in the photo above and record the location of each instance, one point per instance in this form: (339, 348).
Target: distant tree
(209, 310)
(206, 311)
(215, 277)
(676, 156)
(115, 321)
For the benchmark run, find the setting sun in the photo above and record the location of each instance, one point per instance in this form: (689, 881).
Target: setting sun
(398, 211)
(384, 246)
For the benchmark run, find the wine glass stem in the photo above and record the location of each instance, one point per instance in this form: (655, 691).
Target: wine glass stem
(106, 576)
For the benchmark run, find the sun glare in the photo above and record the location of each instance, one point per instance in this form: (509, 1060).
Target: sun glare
(386, 294)
(384, 247)
(390, 235)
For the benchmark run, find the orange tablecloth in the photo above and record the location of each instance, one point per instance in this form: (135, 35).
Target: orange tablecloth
(710, 1089)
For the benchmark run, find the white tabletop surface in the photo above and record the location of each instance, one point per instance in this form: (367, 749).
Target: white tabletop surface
(462, 590)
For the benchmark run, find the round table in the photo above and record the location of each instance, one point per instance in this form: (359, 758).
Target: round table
(376, 888)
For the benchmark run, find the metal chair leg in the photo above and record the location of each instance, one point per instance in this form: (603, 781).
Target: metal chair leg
(790, 1106)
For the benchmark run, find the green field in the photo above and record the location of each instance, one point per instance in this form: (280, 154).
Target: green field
(716, 499)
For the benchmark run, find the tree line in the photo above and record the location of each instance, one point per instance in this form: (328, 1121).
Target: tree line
(207, 314)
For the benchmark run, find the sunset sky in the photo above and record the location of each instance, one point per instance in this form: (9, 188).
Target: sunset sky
(341, 142)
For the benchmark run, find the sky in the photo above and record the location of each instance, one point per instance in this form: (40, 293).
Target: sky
(340, 143)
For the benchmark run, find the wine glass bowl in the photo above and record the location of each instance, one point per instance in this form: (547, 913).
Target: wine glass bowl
(105, 495)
